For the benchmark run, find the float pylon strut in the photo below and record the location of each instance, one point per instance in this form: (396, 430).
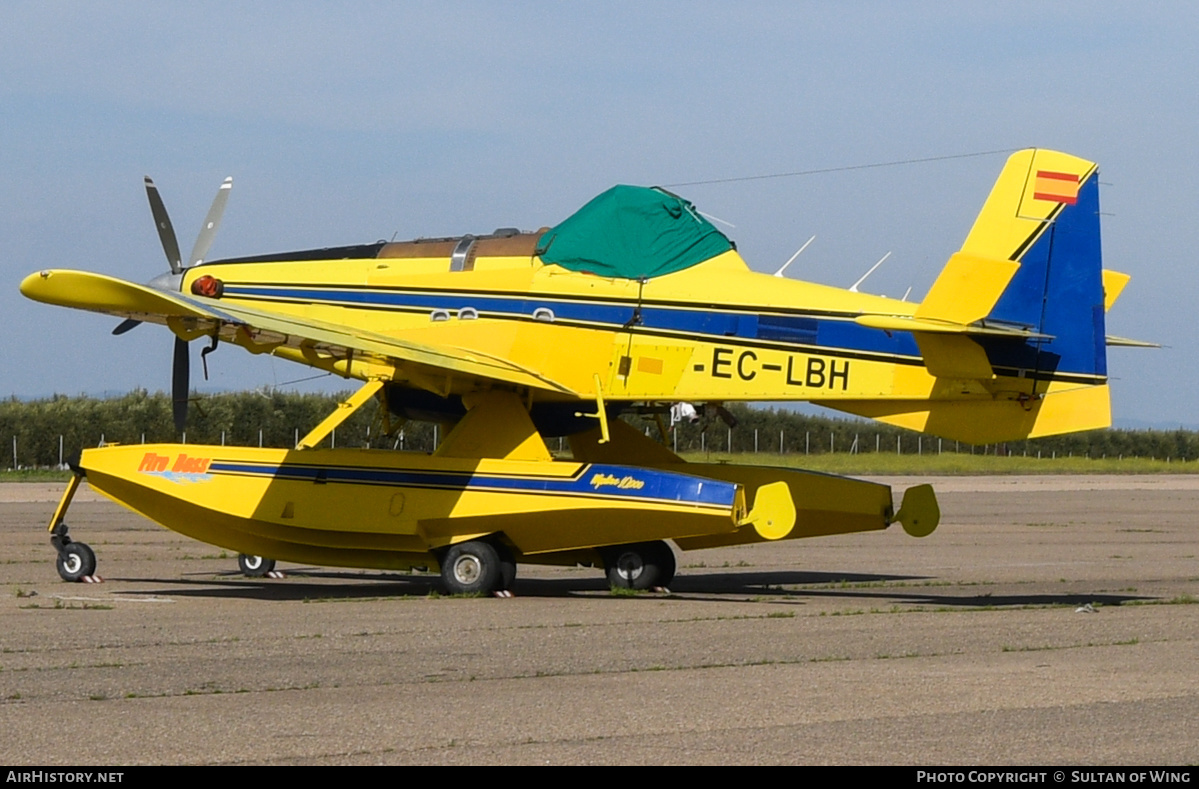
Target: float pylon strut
(344, 411)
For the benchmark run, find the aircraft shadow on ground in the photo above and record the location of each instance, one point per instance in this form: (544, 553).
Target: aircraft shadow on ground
(294, 587)
(780, 586)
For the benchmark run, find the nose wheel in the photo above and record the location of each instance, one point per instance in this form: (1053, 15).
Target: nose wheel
(255, 566)
(76, 560)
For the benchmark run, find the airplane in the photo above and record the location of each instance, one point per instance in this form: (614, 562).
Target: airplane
(632, 304)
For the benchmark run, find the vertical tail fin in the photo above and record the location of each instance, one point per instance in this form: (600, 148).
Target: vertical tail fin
(1012, 331)
(1044, 214)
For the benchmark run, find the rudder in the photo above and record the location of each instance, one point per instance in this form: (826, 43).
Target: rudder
(1044, 214)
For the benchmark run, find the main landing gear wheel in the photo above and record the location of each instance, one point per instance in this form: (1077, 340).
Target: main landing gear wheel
(254, 566)
(507, 568)
(642, 565)
(477, 567)
(76, 561)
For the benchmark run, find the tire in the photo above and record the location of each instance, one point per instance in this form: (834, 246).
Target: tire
(75, 561)
(254, 566)
(642, 565)
(507, 568)
(666, 565)
(473, 567)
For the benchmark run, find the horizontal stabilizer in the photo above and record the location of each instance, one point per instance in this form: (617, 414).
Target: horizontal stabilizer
(1113, 286)
(1125, 342)
(904, 323)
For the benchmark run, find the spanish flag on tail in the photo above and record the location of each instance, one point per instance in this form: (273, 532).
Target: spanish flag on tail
(1056, 187)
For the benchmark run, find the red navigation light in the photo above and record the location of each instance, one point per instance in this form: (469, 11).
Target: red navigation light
(209, 286)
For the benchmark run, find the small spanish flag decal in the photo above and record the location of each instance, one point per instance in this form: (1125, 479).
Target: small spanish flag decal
(1057, 187)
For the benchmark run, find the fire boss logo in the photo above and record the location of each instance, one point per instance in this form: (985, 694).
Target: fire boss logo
(184, 469)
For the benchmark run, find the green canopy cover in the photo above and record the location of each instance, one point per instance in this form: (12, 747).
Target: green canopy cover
(632, 232)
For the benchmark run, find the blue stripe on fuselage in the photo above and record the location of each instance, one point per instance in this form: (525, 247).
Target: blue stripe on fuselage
(709, 324)
(623, 482)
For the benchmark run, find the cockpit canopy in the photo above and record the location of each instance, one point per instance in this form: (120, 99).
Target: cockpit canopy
(627, 232)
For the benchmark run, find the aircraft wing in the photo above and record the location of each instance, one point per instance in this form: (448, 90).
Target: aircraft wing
(191, 317)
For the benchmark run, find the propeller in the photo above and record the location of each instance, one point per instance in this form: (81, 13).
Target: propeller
(125, 326)
(166, 233)
(181, 362)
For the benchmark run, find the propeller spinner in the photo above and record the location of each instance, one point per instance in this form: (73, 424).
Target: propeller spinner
(181, 363)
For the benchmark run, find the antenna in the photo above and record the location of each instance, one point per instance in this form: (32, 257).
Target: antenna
(715, 218)
(854, 287)
(783, 268)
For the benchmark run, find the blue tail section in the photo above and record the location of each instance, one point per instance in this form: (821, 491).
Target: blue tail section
(1058, 291)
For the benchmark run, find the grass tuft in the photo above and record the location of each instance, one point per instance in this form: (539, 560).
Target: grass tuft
(624, 591)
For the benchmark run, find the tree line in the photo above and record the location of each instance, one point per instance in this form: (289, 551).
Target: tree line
(38, 433)
(780, 430)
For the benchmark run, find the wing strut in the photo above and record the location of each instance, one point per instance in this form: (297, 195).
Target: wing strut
(344, 411)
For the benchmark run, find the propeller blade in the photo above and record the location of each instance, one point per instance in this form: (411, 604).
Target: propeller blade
(180, 371)
(126, 325)
(211, 223)
(166, 233)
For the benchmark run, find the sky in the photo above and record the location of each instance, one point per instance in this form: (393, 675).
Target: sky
(351, 122)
